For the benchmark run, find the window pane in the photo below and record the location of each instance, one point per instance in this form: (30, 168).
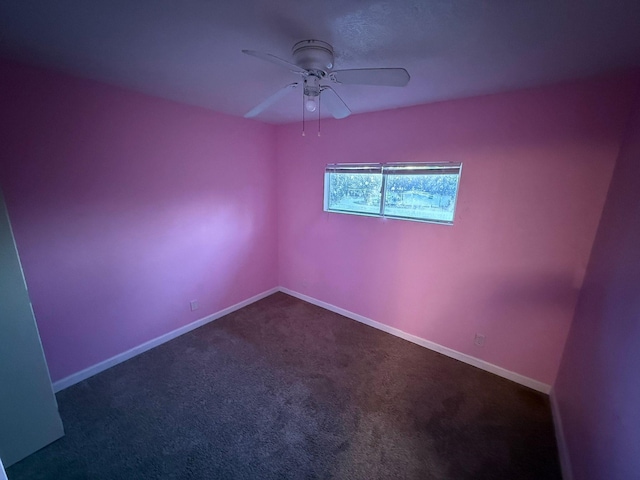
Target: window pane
(423, 197)
(358, 192)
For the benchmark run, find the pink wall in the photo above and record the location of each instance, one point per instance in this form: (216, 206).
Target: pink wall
(537, 165)
(598, 385)
(126, 207)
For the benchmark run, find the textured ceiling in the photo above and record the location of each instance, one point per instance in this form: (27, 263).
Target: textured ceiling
(190, 50)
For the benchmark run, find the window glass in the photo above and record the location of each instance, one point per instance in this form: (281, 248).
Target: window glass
(424, 197)
(355, 192)
(412, 191)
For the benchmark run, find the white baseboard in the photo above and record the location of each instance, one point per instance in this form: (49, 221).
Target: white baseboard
(476, 362)
(468, 359)
(563, 452)
(121, 357)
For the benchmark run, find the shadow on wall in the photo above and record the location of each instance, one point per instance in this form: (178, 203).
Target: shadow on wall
(133, 271)
(548, 291)
(536, 306)
(523, 316)
(126, 207)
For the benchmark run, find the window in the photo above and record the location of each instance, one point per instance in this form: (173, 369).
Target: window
(412, 191)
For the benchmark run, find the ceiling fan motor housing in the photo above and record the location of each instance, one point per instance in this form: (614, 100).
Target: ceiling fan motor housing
(313, 55)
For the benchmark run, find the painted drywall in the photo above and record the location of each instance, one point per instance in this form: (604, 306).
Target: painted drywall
(126, 207)
(537, 165)
(598, 386)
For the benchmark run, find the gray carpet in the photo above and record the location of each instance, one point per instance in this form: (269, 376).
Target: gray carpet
(286, 390)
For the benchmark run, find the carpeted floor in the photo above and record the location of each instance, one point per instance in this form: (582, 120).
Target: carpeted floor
(286, 390)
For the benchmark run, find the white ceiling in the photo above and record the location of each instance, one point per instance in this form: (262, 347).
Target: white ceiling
(190, 50)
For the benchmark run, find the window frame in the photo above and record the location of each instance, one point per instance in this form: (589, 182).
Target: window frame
(386, 169)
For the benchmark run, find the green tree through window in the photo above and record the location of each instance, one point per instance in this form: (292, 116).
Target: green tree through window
(413, 191)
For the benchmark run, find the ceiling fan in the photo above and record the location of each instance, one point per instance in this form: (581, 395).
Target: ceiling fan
(313, 60)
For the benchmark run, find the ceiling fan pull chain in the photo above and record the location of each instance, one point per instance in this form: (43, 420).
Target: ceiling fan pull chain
(303, 116)
(319, 103)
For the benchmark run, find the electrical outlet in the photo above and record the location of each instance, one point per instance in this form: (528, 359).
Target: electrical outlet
(194, 305)
(479, 340)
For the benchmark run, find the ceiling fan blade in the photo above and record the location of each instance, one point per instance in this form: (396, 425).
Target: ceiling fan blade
(390, 77)
(258, 109)
(334, 103)
(277, 60)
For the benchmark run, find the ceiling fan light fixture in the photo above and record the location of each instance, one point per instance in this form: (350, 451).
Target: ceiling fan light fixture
(310, 103)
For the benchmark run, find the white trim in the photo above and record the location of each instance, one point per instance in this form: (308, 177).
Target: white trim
(468, 359)
(463, 357)
(563, 451)
(121, 357)
(3, 475)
